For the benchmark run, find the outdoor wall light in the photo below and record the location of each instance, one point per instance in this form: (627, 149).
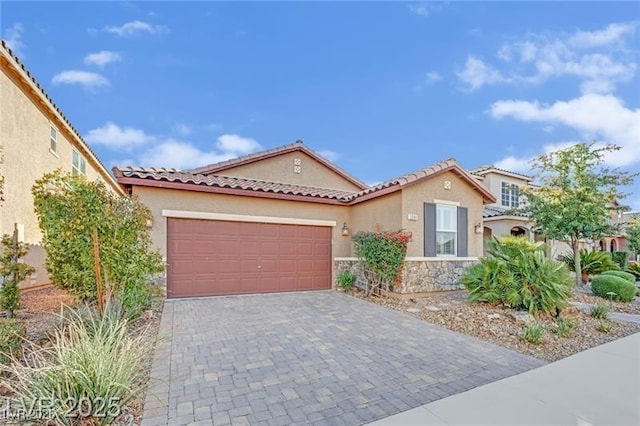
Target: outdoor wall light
(478, 227)
(345, 230)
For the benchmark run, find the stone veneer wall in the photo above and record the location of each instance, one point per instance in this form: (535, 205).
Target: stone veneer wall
(419, 276)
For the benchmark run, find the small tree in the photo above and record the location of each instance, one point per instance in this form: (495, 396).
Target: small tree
(13, 271)
(633, 235)
(575, 196)
(73, 214)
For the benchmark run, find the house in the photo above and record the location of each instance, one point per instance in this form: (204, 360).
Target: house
(282, 220)
(36, 138)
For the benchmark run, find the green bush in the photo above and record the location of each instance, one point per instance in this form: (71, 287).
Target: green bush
(564, 327)
(621, 258)
(533, 333)
(621, 274)
(12, 333)
(382, 254)
(92, 358)
(346, 280)
(519, 275)
(69, 209)
(604, 285)
(634, 268)
(591, 263)
(600, 311)
(13, 271)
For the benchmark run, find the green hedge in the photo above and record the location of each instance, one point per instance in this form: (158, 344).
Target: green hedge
(623, 289)
(12, 332)
(621, 274)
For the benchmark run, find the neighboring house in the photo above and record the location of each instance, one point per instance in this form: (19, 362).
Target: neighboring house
(36, 139)
(282, 220)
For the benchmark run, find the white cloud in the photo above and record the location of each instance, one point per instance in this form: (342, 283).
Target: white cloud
(429, 79)
(89, 80)
(599, 59)
(102, 58)
(136, 27)
(13, 38)
(419, 10)
(612, 33)
(523, 164)
(116, 137)
(592, 116)
(476, 74)
(181, 155)
(329, 155)
(182, 129)
(235, 144)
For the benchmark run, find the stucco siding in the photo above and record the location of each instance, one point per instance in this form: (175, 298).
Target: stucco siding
(158, 199)
(25, 125)
(281, 169)
(384, 212)
(493, 182)
(414, 197)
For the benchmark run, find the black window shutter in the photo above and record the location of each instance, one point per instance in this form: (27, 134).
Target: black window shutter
(429, 230)
(463, 230)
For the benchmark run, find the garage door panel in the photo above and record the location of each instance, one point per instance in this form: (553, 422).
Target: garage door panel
(208, 257)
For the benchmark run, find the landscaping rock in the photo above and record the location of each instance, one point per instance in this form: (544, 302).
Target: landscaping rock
(432, 308)
(494, 316)
(522, 317)
(570, 312)
(413, 310)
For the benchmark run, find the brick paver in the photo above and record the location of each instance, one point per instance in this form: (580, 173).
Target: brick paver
(308, 358)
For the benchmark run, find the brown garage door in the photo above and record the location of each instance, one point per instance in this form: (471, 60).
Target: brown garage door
(212, 257)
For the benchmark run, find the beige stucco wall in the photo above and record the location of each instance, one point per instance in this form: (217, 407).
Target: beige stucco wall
(281, 169)
(24, 134)
(493, 182)
(158, 199)
(503, 227)
(414, 197)
(385, 212)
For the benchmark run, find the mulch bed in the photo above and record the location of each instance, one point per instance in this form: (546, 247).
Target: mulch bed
(495, 324)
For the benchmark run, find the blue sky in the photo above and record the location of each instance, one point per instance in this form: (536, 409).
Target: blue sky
(380, 88)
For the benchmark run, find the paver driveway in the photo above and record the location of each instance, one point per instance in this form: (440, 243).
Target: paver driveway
(314, 357)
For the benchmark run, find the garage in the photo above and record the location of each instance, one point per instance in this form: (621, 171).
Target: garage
(217, 257)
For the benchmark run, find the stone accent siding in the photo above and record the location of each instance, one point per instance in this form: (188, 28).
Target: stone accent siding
(419, 276)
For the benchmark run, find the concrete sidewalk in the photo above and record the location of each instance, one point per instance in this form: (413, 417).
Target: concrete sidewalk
(600, 386)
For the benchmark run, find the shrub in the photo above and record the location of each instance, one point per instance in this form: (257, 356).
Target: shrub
(92, 358)
(533, 333)
(621, 258)
(564, 327)
(12, 271)
(519, 275)
(12, 333)
(69, 209)
(623, 290)
(634, 268)
(346, 280)
(382, 254)
(603, 326)
(591, 262)
(600, 311)
(621, 274)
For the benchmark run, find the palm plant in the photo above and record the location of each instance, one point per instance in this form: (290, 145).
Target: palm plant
(593, 263)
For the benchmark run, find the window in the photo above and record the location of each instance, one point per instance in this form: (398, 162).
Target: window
(510, 195)
(79, 164)
(446, 230)
(53, 140)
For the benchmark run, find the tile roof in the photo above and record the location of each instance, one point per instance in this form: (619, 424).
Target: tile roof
(297, 146)
(479, 171)
(495, 211)
(174, 175)
(51, 104)
(123, 174)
